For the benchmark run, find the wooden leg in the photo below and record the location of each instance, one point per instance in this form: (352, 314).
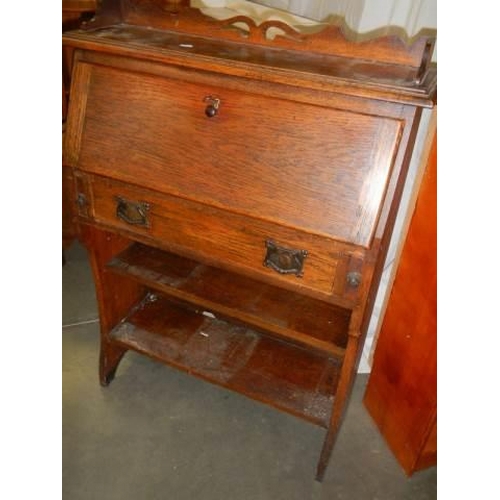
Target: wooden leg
(346, 381)
(113, 306)
(109, 360)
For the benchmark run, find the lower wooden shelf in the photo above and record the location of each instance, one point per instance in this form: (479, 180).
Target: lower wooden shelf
(296, 380)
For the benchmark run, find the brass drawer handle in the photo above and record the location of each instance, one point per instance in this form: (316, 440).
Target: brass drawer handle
(213, 105)
(284, 260)
(132, 212)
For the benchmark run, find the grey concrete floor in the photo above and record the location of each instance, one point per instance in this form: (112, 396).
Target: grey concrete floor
(156, 433)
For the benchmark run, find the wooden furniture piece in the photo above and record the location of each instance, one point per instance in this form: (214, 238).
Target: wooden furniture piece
(236, 192)
(401, 394)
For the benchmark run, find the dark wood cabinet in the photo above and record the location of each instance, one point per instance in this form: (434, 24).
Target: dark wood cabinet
(237, 193)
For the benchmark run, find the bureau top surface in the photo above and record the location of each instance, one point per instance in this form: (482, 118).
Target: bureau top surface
(360, 77)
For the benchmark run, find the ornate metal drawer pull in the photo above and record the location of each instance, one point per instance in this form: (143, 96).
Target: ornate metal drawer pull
(132, 212)
(284, 260)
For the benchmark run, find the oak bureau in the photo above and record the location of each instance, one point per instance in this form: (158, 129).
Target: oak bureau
(236, 186)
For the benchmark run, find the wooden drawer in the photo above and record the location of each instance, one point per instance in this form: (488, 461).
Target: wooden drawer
(318, 169)
(215, 236)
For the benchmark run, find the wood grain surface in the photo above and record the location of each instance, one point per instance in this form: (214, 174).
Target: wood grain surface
(314, 168)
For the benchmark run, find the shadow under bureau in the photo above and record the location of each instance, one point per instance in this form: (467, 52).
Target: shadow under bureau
(236, 193)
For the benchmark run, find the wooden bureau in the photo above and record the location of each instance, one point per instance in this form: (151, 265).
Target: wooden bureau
(237, 193)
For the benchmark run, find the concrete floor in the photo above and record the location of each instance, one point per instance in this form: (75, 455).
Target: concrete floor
(156, 433)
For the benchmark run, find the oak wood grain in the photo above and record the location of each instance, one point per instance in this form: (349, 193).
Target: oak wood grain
(309, 147)
(221, 236)
(335, 169)
(289, 316)
(232, 356)
(113, 306)
(388, 82)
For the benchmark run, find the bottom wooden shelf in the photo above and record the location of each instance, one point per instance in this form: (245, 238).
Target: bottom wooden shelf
(296, 380)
